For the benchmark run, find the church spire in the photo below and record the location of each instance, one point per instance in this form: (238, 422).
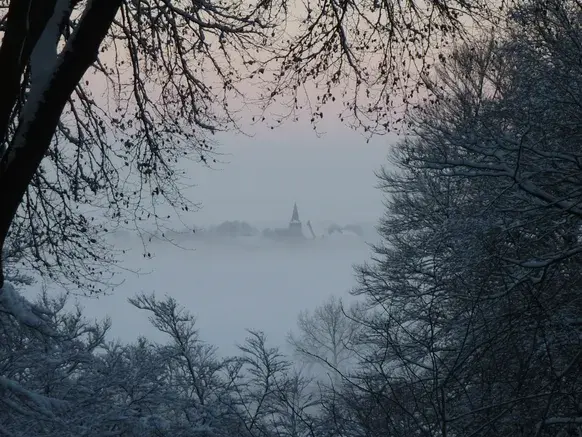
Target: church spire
(295, 216)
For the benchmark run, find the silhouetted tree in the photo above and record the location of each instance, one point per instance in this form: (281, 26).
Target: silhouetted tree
(327, 335)
(475, 290)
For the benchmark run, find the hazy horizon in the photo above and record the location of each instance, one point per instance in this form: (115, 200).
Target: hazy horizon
(233, 285)
(260, 178)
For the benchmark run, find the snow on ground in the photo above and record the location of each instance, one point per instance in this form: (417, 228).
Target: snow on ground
(233, 284)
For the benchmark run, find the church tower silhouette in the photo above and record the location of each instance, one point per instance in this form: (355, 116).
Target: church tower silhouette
(295, 226)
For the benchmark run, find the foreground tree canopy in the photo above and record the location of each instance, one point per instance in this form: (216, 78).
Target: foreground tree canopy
(469, 322)
(101, 99)
(70, 380)
(475, 326)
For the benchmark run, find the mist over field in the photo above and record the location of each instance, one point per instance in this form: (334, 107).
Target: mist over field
(232, 284)
(228, 273)
(222, 261)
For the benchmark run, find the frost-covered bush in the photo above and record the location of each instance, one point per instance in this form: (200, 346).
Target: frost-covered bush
(59, 376)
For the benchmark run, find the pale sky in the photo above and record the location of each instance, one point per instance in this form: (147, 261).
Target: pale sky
(330, 177)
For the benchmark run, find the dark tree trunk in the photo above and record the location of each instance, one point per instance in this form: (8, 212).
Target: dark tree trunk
(32, 139)
(25, 22)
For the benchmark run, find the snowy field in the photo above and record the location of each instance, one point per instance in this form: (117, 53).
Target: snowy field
(233, 284)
